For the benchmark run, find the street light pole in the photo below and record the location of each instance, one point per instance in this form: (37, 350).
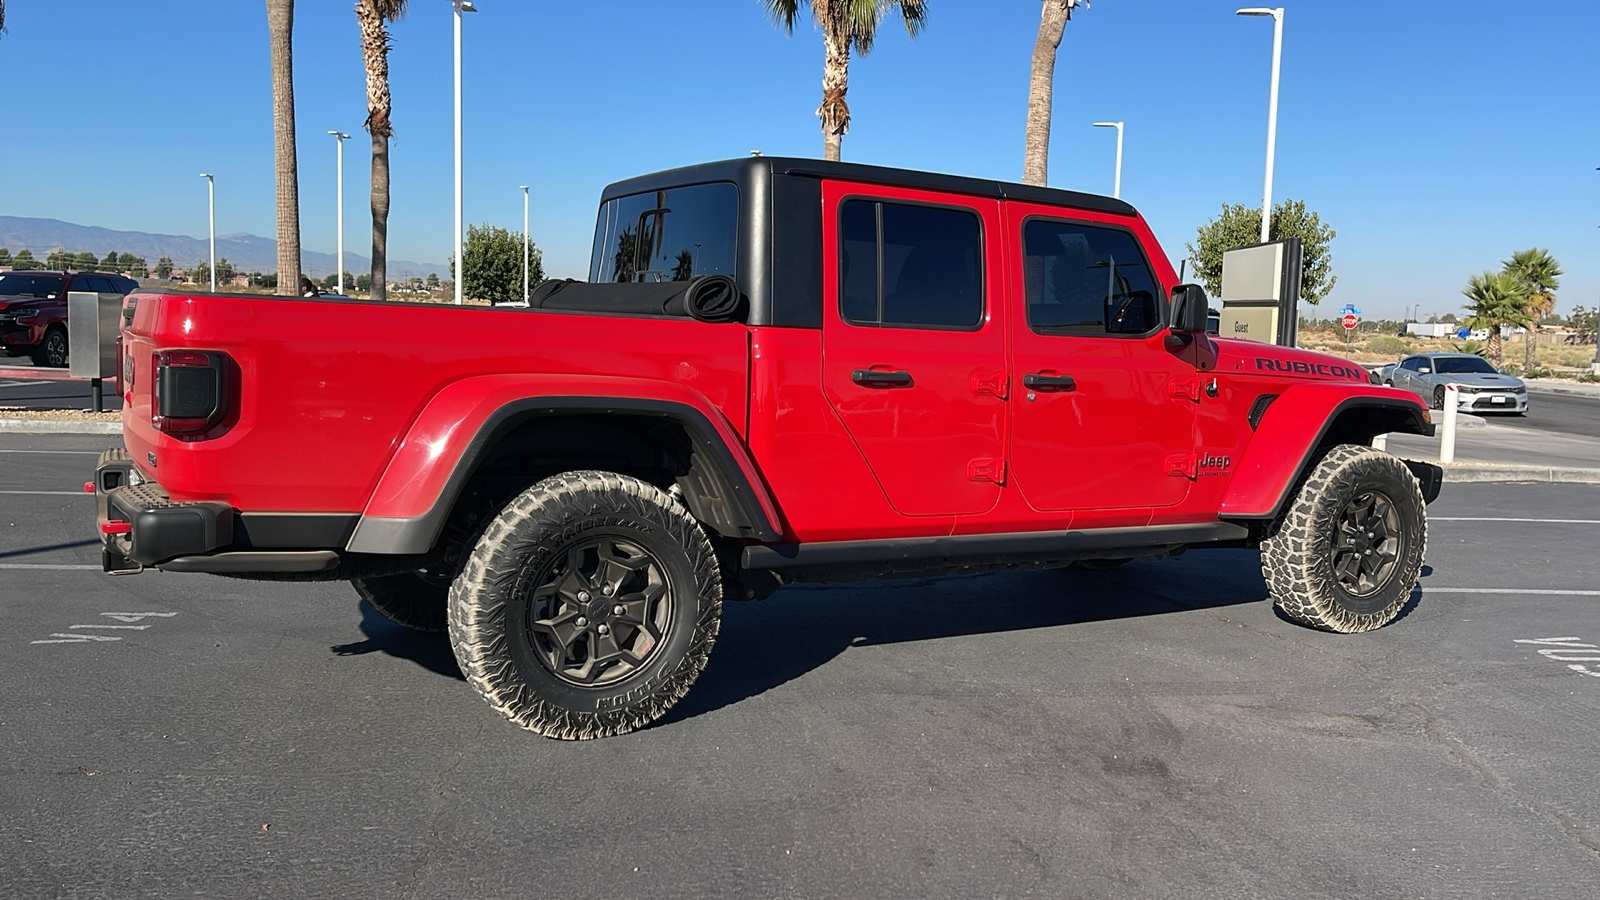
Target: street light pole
(1116, 185)
(524, 244)
(461, 6)
(211, 194)
(1272, 109)
(339, 138)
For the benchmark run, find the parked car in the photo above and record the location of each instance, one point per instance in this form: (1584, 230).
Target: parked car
(33, 310)
(1385, 374)
(1483, 388)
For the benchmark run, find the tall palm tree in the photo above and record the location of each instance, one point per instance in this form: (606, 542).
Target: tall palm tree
(1041, 88)
(846, 25)
(372, 14)
(1497, 299)
(1540, 277)
(280, 27)
(2, 16)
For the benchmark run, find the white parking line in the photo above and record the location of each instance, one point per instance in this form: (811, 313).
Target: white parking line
(52, 493)
(1496, 519)
(6, 384)
(52, 452)
(1447, 590)
(45, 566)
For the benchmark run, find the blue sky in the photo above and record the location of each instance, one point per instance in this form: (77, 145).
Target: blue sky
(1435, 137)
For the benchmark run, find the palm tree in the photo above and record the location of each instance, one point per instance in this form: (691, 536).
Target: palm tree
(1540, 276)
(845, 24)
(1497, 299)
(2, 16)
(280, 26)
(372, 14)
(1041, 88)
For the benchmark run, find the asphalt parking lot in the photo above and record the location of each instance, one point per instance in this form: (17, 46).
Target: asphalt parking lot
(1149, 732)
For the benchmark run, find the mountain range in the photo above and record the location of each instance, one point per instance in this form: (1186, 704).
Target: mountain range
(247, 252)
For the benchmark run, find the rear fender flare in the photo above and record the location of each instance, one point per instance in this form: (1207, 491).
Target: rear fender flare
(463, 422)
(1298, 425)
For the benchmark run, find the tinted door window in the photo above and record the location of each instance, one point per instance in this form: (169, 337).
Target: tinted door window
(1087, 280)
(41, 286)
(103, 286)
(670, 235)
(910, 266)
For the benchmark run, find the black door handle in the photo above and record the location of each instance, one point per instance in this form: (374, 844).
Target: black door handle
(872, 378)
(1040, 382)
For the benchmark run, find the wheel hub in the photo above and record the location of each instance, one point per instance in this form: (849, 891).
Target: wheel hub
(1367, 544)
(600, 611)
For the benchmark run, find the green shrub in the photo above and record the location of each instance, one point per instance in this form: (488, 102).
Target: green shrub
(1387, 345)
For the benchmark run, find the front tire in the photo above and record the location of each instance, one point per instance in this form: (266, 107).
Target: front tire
(588, 607)
(1347, 553)
(1438, 397)
(52, 352)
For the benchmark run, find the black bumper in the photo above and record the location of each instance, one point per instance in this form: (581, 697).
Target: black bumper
(141, 526)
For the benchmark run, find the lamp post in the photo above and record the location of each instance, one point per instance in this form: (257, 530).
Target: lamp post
(1272, 108)
(1116, 186)
(339, 138)
(461, 6)
(211, 194)
(524, 244)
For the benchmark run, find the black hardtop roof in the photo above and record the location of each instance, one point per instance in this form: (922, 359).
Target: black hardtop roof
(741, 170)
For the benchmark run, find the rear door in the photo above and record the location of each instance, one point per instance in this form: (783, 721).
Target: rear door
(1104, 413)
(914, 342)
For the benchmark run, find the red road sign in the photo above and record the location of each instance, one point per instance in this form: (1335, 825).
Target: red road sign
(1350, 320)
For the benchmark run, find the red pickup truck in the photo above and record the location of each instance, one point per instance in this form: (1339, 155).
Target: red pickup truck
(778, 370)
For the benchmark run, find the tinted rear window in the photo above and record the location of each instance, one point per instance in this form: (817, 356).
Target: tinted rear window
(670, 235)
(910, 266)
(1462, 365)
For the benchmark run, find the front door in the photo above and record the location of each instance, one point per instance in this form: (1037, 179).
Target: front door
(914, 342)
(1104, 413)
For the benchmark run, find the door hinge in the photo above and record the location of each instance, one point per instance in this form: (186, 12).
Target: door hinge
(1186, 387)
(996, 383)
(987, 470)
(1181, 464)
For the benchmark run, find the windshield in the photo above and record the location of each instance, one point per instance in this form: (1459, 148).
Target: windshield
(1462, 365)
(44, 287)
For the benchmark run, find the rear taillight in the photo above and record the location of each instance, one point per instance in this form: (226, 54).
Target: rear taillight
(190, 391)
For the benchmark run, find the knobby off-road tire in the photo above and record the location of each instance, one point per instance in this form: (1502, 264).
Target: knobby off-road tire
(416, 599)
(588, 607)
(1347, 553)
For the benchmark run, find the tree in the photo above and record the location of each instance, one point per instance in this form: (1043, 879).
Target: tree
(364, 282)
(372, 14)
(200, 274)
(5, 257)
(432, 281)
(58, 259)
(164, 267)
(133, 265)
(1497, 300)
(1583, 320)
(110, 262)
(85, 261)
(24, 259)
(1041, 88)
(225, 271)
(280, 29)
(1239, 226)
(1540, 276)
(493, 269)
(846, 25)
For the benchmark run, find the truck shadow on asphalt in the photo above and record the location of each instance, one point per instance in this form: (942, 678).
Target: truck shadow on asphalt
(766, 644)
(430, 650)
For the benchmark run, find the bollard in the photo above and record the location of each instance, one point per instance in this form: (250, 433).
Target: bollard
(1447, 442)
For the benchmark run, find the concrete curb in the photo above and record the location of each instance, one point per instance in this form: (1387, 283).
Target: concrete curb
(1493, 473)
(1592, 391)
(57, 426)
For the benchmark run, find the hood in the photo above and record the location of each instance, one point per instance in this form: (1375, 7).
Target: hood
(1476, 379)
(1242, 357)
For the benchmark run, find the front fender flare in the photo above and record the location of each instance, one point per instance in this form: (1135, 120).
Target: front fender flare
(1297, 424)
(413, 498)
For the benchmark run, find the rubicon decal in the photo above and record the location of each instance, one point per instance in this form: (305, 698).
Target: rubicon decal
(1297, 367)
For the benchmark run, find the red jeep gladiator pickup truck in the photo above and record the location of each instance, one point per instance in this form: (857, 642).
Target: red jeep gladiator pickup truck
(778, 370)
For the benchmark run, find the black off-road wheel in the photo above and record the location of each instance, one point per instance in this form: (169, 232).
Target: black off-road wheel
(1348, 552)
(52, 352)
(588, 607)
(416, 599)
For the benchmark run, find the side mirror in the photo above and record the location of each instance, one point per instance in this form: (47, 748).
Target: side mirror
(1423, 370)
(1189, 309)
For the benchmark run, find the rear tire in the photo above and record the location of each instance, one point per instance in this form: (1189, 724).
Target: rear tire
(588, 607)
(416, 600)
(1347, 553)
